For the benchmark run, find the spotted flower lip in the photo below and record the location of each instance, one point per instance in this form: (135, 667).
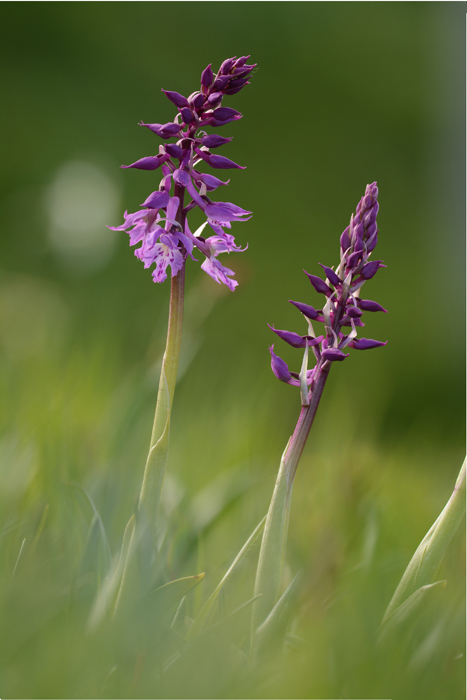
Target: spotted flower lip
(343, 307)
(161, 226)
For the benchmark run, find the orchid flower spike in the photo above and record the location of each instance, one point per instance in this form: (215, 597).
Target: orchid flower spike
(161, 224)
(343, 307)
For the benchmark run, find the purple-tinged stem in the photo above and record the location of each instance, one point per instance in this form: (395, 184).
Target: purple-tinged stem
(304, 423)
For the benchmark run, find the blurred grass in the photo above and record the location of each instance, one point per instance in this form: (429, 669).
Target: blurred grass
(344, 94)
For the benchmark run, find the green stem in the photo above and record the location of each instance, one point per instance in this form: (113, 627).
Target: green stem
(156, 462)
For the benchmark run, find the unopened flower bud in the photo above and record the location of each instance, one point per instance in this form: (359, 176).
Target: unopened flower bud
(320, 286)
(331, 275)
(366, 344)
(207, 76)
(333, 355)
(306, 310)
(367, 305)
(175, 97)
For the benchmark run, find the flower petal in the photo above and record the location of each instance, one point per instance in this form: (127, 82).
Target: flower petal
(148, 163)
(157, 200)
(219, 273)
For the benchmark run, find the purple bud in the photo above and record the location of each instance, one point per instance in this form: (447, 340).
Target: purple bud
(297, 341)
(207, 76)
(187, 115)
(240, 73)
(320, 286)
(182, 177)
(149, 163)
(220, 82)
(234, 90)
(372, 241)
(354, 259)
(345, 239)
(241, 61)
(214, 98)
(165, 131)
(370, 269)
(306, 309)
(358, 230)
(365, 344)
(218, 161)
(370, 230)
(175, 151)
(175, 97)
(368, 305)
(331, 275)
(345, 321)
(157, 200)
(354, 312)
(226, 66)
(210, 181)
(196, 99)
(214, 141)
(333, 355)
(279, 367)
(226, 114)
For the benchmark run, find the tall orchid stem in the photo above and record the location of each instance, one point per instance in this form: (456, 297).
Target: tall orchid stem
(273, 544)
(156, 462)
(302, 429)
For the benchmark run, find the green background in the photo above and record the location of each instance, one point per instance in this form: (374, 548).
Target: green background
(344, 94)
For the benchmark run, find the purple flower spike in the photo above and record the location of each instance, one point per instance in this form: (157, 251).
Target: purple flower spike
(343, 307)
(161, 226)
(333, 355)
(306, 310)
(366, 344)
(175, 97)
(320, 286)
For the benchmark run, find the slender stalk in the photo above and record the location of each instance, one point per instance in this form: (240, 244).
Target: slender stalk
(307, 415)
(156, 462)
(273, 544)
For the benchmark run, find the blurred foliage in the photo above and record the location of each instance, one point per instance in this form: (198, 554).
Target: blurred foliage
(344, 94)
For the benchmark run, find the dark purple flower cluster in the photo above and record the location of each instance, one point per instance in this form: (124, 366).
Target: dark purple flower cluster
(161, 225)
(343, 308)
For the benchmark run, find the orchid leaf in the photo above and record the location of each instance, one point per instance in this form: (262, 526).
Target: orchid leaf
(428, 556)
(272, 630)
(271, 557)
(410, 606)
(207, 608)
(167, 596)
